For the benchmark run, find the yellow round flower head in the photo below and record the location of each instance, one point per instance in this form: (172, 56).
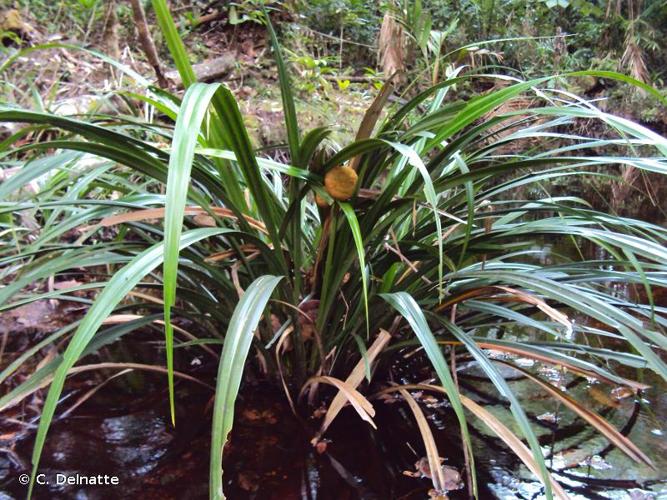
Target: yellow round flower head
(340, 182)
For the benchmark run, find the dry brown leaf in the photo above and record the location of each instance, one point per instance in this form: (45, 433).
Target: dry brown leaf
(432, 455)
(361, 405)
(512, 441)
(603, 398)
(204, 220)
(247, 249)
(354, 379)
(279, 349)
(541, 305)
(514, 294)
(391, 46)
(371, 117)
(159, 213)
(496, 426)
(115, 319)
(604, 427)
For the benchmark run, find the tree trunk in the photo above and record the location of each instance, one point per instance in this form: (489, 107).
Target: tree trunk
(146, 41)
(110, 40)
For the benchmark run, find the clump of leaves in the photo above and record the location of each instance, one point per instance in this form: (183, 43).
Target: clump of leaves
(432, 246)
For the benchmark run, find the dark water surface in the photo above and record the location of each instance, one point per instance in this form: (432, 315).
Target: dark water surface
(269, 456)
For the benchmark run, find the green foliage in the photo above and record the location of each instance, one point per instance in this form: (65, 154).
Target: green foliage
(355, 20)
(69, 17)
(434, 230)
(87, 3)
(249, 11)
(328, 16)
(239, 337)
(311, 72)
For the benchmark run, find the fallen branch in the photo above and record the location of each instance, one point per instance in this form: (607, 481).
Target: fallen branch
(207, 18)
(207, 71)
(335, 78)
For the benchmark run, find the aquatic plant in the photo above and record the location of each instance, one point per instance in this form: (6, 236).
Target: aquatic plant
(418, 238)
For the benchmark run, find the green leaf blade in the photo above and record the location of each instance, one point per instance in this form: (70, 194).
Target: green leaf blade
(119, 286)
(410, 310)
(245, 319)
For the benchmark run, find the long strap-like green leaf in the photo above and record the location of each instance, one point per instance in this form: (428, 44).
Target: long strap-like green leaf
(359, 244)
(192, 112)
(174, 42)
(119, 286)
(186, 133)
(410, 310)
(217, 136)
(239, 336)
(515, 407)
